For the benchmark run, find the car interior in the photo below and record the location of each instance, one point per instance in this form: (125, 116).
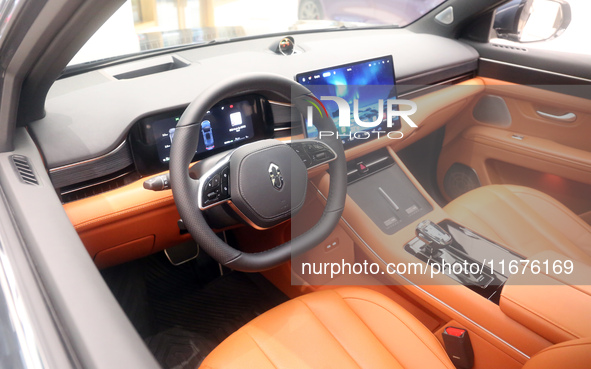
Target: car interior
(172, 208)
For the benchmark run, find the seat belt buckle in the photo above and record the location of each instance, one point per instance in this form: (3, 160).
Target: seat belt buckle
(458, 347)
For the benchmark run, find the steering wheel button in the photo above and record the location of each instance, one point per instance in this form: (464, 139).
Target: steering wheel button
(322, 155)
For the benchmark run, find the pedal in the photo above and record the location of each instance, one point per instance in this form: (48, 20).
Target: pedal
(182, 253)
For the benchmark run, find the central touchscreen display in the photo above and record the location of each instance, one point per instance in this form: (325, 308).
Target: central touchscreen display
(366, 83)
(225, 124)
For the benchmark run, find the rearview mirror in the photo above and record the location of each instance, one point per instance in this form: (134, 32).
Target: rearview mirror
(532, 20)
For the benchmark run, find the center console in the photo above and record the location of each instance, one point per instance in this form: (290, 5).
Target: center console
(384, 193)
(390, 220)
(464, 256)
(388, 197)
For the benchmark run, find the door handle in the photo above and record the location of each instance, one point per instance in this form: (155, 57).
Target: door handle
(567, 118)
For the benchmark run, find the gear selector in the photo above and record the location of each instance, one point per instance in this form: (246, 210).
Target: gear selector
(463, 255)
(434, 237)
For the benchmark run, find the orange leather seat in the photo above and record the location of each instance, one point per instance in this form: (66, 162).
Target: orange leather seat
(523, 219)
(343, 328)
(574, 354)
(353, 327)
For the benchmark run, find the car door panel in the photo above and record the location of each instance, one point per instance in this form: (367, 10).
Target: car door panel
(520, 63)
(528, 149)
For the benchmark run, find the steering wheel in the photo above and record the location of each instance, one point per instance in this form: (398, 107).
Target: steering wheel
(263, 182)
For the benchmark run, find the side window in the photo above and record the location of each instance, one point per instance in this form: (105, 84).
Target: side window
(557, 25)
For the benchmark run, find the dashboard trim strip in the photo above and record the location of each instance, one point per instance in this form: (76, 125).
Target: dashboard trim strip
(535, 69)
(104, 156)
(424, 90)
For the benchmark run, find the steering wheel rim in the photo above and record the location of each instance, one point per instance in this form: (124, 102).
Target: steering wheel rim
(185, 189)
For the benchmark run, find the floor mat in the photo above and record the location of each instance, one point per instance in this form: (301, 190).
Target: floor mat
(177, 348)
(191, 308)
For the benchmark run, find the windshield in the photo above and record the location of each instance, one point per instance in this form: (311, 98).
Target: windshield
(141, 25)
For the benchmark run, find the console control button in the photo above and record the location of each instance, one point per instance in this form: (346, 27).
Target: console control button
(362, 168)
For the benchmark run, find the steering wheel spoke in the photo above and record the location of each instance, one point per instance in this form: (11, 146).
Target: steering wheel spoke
(313, 153)
(214, 185)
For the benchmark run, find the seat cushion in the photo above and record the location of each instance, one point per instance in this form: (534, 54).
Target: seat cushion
(523, 219)
(574, 354)
(348, 327)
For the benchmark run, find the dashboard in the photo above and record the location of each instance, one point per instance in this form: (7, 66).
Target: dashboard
(233, 122)
(99, 128)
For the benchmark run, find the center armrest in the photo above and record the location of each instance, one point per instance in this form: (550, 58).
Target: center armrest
(554, 305)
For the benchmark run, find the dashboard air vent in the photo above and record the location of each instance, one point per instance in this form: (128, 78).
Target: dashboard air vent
(24, 169)
(509, 47)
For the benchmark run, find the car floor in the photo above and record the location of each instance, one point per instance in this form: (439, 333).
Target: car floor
(183, 312)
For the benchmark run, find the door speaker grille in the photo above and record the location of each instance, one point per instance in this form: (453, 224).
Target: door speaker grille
(460, 179)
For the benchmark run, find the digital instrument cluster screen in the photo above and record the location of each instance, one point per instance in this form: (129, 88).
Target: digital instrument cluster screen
(229, 124)
(362, 85)
(226, 124)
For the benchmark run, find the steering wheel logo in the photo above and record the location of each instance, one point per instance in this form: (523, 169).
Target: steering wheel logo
(276, 177)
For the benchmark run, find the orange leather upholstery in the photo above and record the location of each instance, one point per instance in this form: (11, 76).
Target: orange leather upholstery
(555, 305)
(523, 219)
(572, 354)
(348, 327)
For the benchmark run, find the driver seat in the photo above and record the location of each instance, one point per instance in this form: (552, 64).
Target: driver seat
(353, 327)
(348, 327)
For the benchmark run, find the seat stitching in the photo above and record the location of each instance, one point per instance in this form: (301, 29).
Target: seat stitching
(575, 219)
(485, 222)
(543, 230)
(558, 347)
(400, 320)
(260, 348)
(542, 317)
(333, 336)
